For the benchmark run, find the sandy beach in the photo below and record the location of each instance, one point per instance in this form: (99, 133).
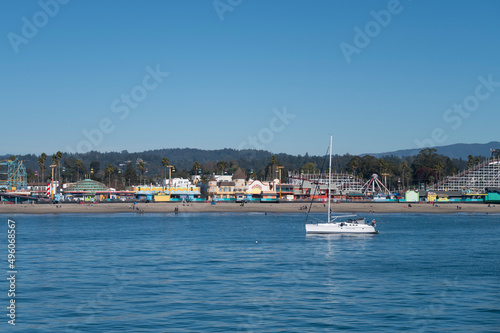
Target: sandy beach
(288, 207)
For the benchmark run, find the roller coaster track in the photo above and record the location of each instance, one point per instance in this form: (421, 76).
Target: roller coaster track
(340, 181)
(476, 178)
(17, 177)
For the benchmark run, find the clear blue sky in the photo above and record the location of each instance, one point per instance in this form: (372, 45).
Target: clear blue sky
(227, 76)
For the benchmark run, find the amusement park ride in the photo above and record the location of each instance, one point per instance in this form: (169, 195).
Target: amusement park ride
(347, 183)
(476, 179)
(12, 174)
(374, 186)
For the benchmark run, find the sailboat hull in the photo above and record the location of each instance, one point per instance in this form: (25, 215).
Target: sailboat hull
(340, 228)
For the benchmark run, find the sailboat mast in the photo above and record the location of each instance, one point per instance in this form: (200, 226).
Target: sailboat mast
(329, 179)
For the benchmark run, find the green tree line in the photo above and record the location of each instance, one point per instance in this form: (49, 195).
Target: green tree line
(121, 169)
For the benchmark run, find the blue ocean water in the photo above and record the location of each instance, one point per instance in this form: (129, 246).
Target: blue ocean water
(253, 273)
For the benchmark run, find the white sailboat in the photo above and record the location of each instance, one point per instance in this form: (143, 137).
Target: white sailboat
(333, 224)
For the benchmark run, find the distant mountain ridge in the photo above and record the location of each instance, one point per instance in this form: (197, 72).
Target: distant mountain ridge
(458, 150)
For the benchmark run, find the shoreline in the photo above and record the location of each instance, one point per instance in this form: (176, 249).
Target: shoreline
(225, 207)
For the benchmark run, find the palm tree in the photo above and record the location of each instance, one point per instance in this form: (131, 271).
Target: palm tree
(272, 167)
(55, 161)
(140, 166)
(59, 155)
(383, 166)
(41, 162)
(109, 171)
(404, 167)
(12, 158)
(40, 166)
(165, 162)
(79, 165)
(478, 161)
(439, 167)
(354, 166)
(196, 167)
(470, 161)
(221, 165)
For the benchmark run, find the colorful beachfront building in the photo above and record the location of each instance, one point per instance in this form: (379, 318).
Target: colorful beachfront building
(256, 189)
(180, 189)
(412, 196)
(307, 190)
(228, 188)
(221, 189)
(285, 192)
(493, 195)
(236, 188)
(89, 190)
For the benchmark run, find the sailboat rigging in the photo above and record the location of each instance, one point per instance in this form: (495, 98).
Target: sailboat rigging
(333, 225)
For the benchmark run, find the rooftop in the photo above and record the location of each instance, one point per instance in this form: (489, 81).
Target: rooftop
(87, 185)
(239, 174)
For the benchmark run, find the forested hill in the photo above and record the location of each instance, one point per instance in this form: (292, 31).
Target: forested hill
(184, 159)
(426, 166)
